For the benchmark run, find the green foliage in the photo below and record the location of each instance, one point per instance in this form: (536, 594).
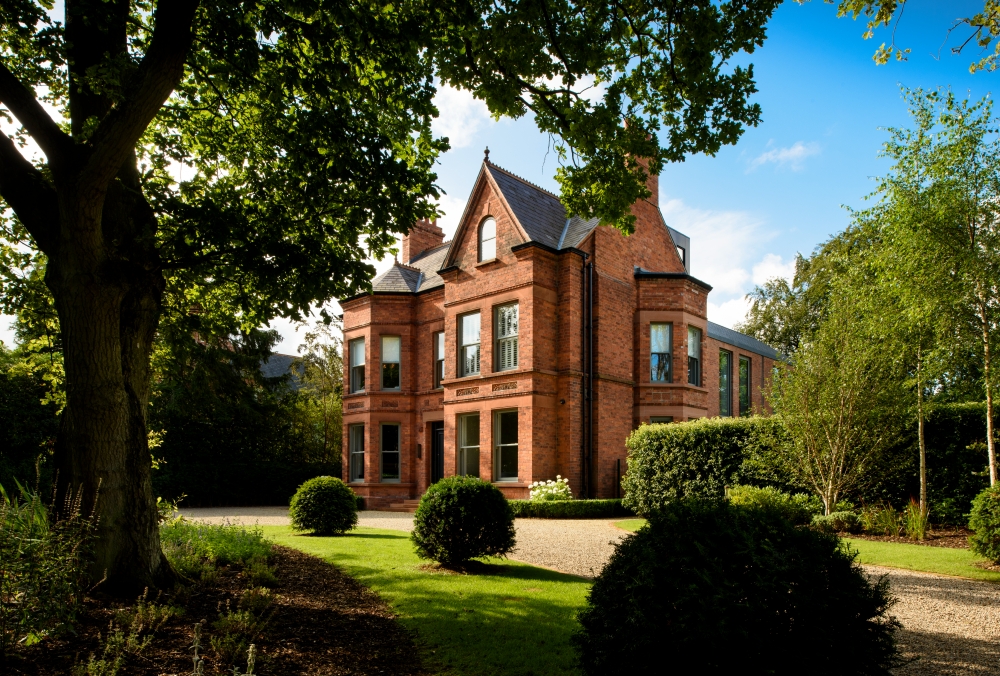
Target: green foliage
(838, 522)
(44, 555)
(705, 574)
(235, 632)
(29, 423)
(916, 521)
(798, 509)
(985, 521)
(881, 520)
(568, 509)
(700, 458)
(230, 435)
(462, 518)
(324, 505)
(195, 549)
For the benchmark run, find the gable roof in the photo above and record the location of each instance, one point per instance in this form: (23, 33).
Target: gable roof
(540, 213)
(738, 339)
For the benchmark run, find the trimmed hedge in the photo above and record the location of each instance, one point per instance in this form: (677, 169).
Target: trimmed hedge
(700, 458)
(985, 520)
(569, 509)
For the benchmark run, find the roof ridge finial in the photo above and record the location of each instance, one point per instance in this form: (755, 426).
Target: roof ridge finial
(486, 154)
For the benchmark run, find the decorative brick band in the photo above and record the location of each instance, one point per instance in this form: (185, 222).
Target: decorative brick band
(466, 391)
(357, 404)
(500, 387)
(390, 403)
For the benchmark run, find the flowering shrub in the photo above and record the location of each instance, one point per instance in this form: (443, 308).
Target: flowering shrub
(551, 490)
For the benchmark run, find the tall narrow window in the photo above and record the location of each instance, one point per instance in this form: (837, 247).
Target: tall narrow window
(356, 445)
(357, 376)
(488, 240)
(505, 445)
(694, 356)
(390, 452)
(438, 358)
(745, 408)
(506, 337)
(468, 444)
(390, 362)
(468, 331)
(660, 340)
(725, 383)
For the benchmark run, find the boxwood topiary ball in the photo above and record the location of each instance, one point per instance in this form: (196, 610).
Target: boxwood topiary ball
(324, 505)
(462, 518)
(734, 590)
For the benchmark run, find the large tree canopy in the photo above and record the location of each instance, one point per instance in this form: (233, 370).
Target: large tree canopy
(301, 131)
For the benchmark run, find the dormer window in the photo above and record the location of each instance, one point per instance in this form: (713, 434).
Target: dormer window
(681, 253)
(488, 240)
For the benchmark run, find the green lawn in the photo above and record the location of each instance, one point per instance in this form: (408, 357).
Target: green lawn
(941, 560)
(631, 524)
(514, 619)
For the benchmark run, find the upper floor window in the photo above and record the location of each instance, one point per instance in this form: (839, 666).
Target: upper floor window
(745, 386)
(438, 358)
(725, 383)
(506, 337)
(468, 332)
(660, 340)
(488, 240)
(390, 362)
(694, 356)
(681, 253)
(356, 348)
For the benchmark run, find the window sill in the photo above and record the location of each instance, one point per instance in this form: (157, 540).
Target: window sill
(488, 263)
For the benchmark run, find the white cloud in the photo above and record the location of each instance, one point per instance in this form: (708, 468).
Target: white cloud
(727, 251)
(772, 266)
(794, 156)
(460, 115)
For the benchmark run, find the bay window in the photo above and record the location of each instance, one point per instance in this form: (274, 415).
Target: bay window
(694, 356)
(356, 446)
(390, 452)
(390, 362)
(505, 445)
(660, 340)
(356, 349)
(468, 444)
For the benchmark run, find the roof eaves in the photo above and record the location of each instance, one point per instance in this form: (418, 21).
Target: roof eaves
(646, 274)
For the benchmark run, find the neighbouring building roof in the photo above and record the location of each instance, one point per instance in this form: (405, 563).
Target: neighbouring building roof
(278, 365)
(721, 333)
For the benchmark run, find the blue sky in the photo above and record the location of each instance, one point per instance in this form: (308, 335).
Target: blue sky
(782, 188)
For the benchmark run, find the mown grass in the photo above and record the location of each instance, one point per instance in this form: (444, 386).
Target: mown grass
(508, 618)
(631, 524)
(941, 560)
(921, 558)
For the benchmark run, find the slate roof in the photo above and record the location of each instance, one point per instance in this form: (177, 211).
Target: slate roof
(397, 279)
(429, 262)
(539, 212)
(741, 340)
(577, 229)
(278, 365)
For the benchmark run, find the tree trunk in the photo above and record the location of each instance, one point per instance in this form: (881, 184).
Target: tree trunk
(108, 288)
(920, 438)
(988, 381)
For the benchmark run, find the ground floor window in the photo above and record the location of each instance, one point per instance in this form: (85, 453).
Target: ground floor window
(468, 444)
(356, 446)
(390, 452)
(725, 383)
(505, 445)
(659, 419)
(745, 386)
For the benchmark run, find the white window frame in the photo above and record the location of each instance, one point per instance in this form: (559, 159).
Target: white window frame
(505, 334)
(438, 339)
(356, 457)
(668, 353)
(353, 385)
(383, 361)
(382, 453)
(463, 346)
(694, 356)
(487, 245)
(726, 384)
(465, 445)
(498, 447)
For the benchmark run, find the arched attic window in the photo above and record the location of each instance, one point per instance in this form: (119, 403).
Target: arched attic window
(487, 239)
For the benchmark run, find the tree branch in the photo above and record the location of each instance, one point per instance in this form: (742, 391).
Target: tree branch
(30, 195)
(158, 75)
(20, 101)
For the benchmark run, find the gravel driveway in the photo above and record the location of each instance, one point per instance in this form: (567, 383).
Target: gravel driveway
(950, 625)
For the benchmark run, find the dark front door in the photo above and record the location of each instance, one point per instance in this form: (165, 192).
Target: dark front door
(437, 451)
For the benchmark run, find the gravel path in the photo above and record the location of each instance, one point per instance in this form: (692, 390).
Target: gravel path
(950, 625)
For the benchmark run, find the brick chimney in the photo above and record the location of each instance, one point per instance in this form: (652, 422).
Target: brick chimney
(425, 234)
(652, 183)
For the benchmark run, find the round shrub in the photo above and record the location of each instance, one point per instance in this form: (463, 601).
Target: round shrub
(462, 518)
(985, 521)
(739, 591)
(324, 505)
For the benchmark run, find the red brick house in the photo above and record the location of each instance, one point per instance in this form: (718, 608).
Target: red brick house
(529, 346)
